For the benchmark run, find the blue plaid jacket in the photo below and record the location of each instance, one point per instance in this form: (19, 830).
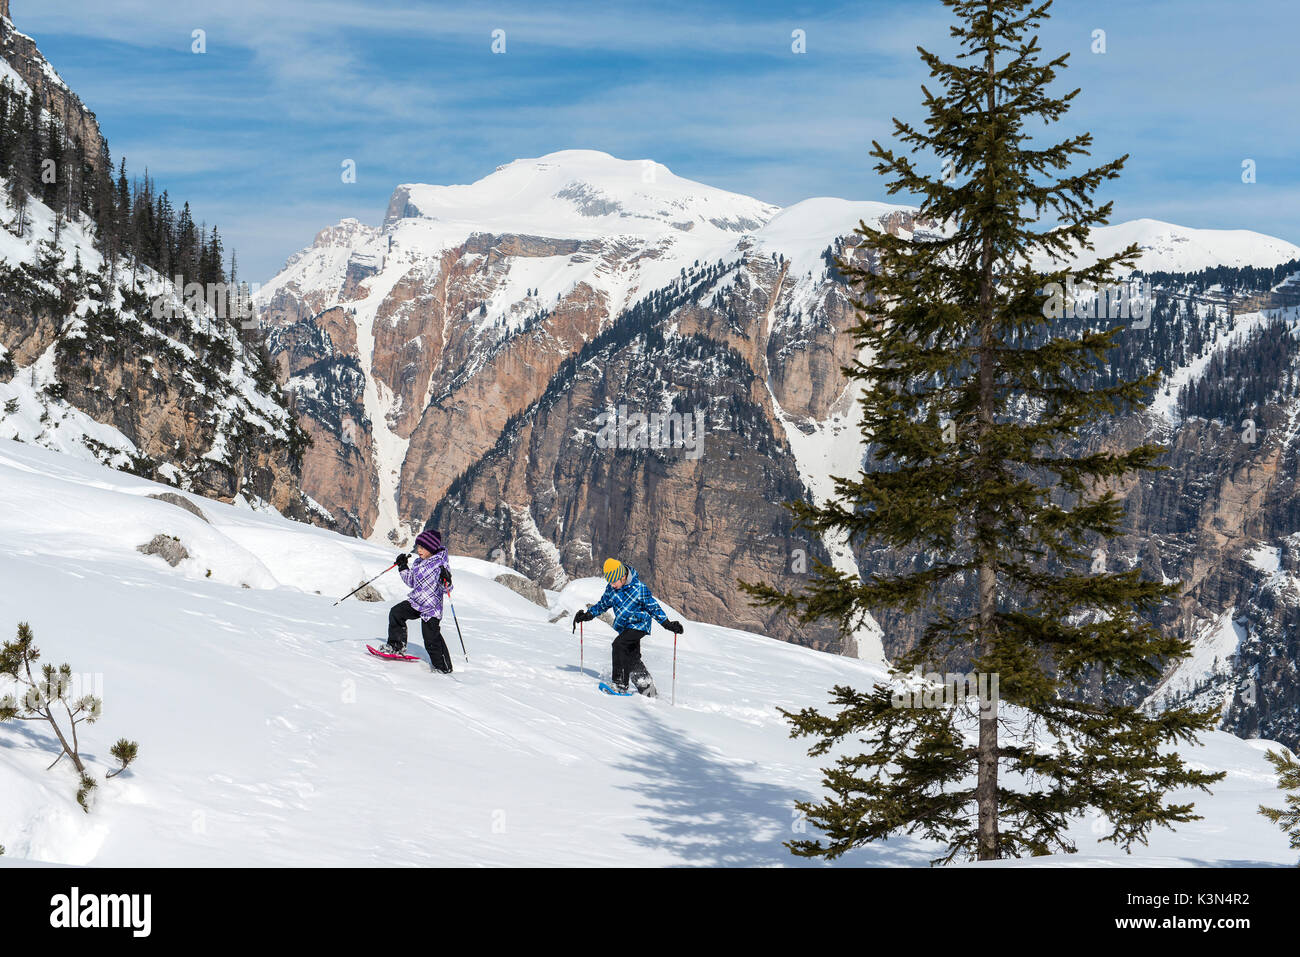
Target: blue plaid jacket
(633, 605)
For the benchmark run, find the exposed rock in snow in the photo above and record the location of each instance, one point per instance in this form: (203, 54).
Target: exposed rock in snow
(180, 501)
(166, 547)
(524, 586)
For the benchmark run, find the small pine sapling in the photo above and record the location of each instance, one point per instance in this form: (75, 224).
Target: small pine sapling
(46, 695)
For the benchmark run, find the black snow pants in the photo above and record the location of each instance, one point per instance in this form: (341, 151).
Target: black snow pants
(628, 664)
(430, 631)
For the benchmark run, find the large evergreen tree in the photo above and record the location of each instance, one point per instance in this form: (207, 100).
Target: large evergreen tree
(973, 406)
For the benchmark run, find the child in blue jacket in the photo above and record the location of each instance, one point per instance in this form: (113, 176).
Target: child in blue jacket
(633, 606)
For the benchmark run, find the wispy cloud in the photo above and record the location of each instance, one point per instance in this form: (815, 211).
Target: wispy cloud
(254, 131)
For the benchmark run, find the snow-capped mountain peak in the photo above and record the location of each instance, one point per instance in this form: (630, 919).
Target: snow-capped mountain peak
(581, 194)
(1173, 248)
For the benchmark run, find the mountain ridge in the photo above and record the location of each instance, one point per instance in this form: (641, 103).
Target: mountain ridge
(451, 328)
(1165, 246)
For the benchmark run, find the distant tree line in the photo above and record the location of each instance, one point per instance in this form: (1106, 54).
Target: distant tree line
(1231, 278)
(1182, 330)
(133, 218)
(1240, 379)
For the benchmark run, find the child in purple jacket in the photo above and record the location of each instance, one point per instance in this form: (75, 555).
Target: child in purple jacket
(426, 576)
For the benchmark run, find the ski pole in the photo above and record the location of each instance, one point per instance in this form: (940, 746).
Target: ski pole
(581, 662)
(457, 621)
(674, 669)
(364, 584)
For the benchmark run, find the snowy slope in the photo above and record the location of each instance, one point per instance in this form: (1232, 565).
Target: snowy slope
(1205, 675)
(800, 232)
(590, 195)
(268, 737)
(1233, 332)
(26, 413)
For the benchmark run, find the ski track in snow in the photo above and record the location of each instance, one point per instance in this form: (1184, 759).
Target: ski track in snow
(269, 737)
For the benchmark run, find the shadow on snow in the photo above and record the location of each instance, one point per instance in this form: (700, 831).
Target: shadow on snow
(710, 812)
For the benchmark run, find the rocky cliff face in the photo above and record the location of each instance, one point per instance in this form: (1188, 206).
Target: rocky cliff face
(1225, 521)
(179, 402)
(486, 329)
(465, 334)
(326, 387)
(20, 52)
(103, 359)
(567, 483)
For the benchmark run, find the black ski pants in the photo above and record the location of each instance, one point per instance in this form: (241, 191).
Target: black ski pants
(627, 661)
(430, 631)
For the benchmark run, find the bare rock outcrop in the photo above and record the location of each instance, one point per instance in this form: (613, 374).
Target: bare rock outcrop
(524, 586)
(20, 51)
(166, 547)
(180, 501)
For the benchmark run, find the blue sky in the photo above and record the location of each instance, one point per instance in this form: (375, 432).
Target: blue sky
(253, 131)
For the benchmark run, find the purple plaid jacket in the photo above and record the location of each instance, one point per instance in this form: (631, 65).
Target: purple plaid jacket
(426, 590)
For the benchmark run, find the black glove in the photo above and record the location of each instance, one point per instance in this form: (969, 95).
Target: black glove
(445, 577)
(674, 626)
(403, 560)
(582, 615)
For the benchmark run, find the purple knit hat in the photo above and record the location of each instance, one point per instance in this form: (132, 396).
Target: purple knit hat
(430, 539)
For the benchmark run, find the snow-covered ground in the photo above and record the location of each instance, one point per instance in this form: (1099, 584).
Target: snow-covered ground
(1213, 646)
(267, 736)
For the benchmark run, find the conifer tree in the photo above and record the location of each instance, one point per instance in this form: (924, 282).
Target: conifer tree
(18, 198)
(973, 408)
(122, 200)
(52, 153)
(6, 125)
(34, 148)
(1288, 818)
(165, 217)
